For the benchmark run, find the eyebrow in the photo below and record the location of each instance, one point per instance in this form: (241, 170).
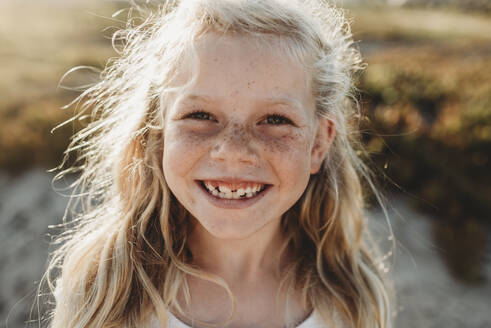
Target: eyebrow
(276, 100)
(192, 97)
(283, 100)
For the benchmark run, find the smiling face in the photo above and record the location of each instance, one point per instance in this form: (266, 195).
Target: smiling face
(240, 143)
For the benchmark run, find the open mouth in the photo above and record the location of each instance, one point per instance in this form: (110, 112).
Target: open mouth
(233, 191)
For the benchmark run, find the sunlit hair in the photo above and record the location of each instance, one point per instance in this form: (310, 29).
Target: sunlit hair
(125, 256)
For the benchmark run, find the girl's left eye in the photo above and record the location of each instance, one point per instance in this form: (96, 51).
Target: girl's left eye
(276, 119)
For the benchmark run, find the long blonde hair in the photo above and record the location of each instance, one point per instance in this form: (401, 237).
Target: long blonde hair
(125, 254)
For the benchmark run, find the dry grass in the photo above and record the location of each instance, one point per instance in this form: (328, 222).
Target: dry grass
(419, 24)
(430, 132)
(50, 40)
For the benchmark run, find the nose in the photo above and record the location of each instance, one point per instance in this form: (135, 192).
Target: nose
(235, 145)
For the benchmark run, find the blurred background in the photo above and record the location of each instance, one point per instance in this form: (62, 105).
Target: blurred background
(426, 98)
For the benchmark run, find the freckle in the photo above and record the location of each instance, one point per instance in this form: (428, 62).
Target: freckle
(288, 144)
(190, 138)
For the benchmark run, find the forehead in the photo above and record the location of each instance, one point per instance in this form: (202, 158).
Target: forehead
(247, 68)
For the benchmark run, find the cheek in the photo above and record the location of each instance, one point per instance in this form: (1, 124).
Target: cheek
(289, 154)
(290, 145)
(181, 148)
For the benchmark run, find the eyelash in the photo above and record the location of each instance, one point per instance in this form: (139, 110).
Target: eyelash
(281, 118)
(198, 115)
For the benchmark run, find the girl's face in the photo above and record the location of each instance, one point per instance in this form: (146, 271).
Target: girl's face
(240, 144)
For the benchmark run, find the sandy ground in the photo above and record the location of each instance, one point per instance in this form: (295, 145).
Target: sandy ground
(428, 296)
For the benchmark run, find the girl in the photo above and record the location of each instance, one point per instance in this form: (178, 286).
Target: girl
(220, 175)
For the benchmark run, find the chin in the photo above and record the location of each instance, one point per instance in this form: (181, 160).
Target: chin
(230, 229)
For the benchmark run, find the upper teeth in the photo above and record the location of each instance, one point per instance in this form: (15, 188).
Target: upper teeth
(223, 191)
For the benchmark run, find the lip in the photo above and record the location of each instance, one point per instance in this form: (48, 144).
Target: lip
(232, 203)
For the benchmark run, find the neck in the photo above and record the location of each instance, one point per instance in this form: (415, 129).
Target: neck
(238, 259)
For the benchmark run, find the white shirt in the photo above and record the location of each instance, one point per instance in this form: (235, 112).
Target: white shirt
(313, 321)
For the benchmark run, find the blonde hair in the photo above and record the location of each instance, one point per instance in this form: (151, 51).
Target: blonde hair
(125, 253)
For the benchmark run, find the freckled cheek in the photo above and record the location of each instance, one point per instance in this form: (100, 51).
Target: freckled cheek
(289, 144)
(182, 149)
(289, 152)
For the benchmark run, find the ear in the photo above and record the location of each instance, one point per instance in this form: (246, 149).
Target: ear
(326, 131)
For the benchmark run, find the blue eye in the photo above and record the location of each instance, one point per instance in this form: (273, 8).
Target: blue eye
(276, 119)
(200, 116)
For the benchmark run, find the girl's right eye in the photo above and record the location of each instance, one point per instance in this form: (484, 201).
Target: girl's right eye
(200, 116)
